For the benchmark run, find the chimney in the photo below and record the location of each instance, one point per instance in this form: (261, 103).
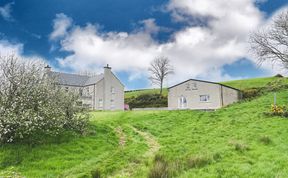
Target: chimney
(107, 67)
(47, 69)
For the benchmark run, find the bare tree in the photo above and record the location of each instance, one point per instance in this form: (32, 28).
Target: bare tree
(271, 43)
(159, 69)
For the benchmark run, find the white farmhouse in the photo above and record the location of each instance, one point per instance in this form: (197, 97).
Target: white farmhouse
(199, 94)
(98, 92)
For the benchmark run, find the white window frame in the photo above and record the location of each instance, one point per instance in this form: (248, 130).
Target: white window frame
(112, 103)
(204, 98)
(100, 103)
(112, 90)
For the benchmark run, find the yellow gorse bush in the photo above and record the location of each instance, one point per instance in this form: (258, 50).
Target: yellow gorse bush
(275, 109)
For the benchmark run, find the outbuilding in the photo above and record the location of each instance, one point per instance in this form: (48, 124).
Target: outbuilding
(202, 95)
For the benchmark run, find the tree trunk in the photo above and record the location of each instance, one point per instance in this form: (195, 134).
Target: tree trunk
(161, 88)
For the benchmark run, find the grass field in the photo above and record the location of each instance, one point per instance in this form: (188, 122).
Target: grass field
(236, 141)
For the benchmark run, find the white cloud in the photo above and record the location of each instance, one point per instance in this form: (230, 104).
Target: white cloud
(195, 51)
(60, 26)
(7, 48)
(5, 12)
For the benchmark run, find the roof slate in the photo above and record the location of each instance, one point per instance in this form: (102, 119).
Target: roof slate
(75, 79)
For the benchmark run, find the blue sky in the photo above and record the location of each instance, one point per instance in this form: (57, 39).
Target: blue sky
(142, 30)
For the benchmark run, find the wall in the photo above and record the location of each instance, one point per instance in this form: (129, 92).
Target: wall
(230, 95)
(99, 95)
(112, 100)
(193, 95)
(86, 99)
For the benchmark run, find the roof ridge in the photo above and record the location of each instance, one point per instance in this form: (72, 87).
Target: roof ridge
(205, 82)
(76, 74)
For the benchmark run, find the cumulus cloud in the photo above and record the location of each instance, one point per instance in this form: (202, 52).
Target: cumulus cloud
(60, 26)
(197, 51)
(5, 12)
(8, 48)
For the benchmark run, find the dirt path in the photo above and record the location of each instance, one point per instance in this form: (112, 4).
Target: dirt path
(121, 135)
(153, 145)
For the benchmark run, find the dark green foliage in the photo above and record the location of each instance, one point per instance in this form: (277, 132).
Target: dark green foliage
(279, 76)
(251, 93)
(147, 101)
(96, 173)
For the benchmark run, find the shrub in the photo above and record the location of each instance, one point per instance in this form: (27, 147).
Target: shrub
(277, 110)
(31, 104)
(147, 101)
(251, 93)
(279, 76)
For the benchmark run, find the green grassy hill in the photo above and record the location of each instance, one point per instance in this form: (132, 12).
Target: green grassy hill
(254, 83)
(135, 93)
(236, 141)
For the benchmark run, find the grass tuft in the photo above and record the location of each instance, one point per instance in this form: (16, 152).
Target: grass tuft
(198, 161)
(240, 147)
(160, 168)
(266, 140)
(96, 173)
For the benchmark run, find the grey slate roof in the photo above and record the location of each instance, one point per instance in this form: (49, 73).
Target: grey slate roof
(75, 79)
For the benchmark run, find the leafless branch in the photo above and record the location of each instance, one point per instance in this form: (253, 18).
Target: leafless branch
(159, 69)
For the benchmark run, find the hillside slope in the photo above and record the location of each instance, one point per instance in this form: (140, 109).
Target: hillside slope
(236, 141)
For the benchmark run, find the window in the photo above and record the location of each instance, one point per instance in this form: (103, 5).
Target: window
(112, 90)
(191, 86)
(188, 87)
(194, 86)
(204, 98)
(80, 91)
(112, 104)
(100, 103)
(87, 90)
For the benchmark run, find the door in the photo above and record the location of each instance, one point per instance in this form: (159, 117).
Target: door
(182, 102)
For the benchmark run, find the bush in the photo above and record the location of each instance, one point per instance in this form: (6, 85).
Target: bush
(277, 110)
(251, 93)
(279, 76)
(31, 104)
(147, 101)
